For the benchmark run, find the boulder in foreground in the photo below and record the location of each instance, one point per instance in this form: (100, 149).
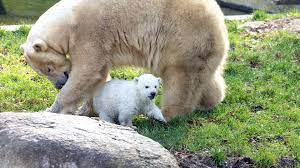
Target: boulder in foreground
(53, 140)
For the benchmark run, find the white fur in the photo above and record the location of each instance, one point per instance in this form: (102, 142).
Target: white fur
(121, 100)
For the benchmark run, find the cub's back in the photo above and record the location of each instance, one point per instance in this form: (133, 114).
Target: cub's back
(114, 94)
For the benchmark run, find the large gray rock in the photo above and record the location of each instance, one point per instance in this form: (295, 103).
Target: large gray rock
(42, 140)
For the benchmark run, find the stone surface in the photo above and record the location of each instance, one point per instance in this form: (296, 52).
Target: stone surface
(288, 24)
(48, 140)
(237, 17)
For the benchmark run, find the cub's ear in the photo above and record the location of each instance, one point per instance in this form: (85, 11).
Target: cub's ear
(159, 80)
(39, 45)
(136, 80)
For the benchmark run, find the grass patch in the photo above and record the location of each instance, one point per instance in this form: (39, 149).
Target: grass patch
(260, 117)
(17, 20)
(27, 7)
(259, 15)
(24, 11)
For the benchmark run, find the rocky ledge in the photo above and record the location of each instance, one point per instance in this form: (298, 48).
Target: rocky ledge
(53, 140)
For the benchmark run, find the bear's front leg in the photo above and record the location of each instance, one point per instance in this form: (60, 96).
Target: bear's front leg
(81, 84)
(55, 107)
(87, 105)
(177, 95)
(87, 108)
(87, 72)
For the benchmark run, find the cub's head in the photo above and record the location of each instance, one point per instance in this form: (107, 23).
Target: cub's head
(46, 61)
(148, 85)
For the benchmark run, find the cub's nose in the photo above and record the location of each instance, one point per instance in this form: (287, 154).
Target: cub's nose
(153, 94)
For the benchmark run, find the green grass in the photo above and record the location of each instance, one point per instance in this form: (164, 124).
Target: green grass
(27, 7)
(16, 20)
(260, 117)
(24, 11)
(259, 15)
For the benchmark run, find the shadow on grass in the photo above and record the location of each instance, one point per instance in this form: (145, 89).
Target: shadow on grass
(173, 134)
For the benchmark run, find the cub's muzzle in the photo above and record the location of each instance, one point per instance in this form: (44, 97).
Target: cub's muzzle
(152, 95)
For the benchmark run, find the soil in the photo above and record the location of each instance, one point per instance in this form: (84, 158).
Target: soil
(193, 160)
(289, 24)
(256, 108)
(297, 59)
(196, 160)
(287, 162)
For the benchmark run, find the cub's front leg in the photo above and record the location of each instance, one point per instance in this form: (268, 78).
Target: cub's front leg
(154, 112)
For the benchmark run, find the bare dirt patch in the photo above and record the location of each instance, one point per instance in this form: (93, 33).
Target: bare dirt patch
(256, 108)
(286, 162)
(289, 24)
(254, 64)
(196, 160)
(297, 59)
(193, 160)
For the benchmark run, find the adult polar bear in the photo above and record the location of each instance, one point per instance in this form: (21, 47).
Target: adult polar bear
(183, 41)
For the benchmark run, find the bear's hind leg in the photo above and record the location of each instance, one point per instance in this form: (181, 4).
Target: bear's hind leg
(213, 93)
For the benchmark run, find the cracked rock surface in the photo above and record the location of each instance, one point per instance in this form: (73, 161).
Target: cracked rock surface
(49, 140)
(289, 24)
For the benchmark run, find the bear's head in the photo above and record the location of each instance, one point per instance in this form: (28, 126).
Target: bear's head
(46, 61)
(147, 85)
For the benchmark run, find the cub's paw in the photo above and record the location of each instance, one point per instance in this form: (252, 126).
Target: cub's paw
(133, 127)
(163, 121)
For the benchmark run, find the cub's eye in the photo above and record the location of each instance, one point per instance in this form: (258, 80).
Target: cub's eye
(146, 87)
(155, 87)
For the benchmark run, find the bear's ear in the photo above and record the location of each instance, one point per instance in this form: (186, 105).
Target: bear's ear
(25, 50)
(136, 80)
(39, 45)
(159, 80)
(22, 47)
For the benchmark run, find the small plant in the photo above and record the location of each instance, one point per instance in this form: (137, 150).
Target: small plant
(22, 31)
(218, 156)
(126, 73)
(260, 15)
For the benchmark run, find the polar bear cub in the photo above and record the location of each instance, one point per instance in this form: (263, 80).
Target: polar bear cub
(120, 100)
